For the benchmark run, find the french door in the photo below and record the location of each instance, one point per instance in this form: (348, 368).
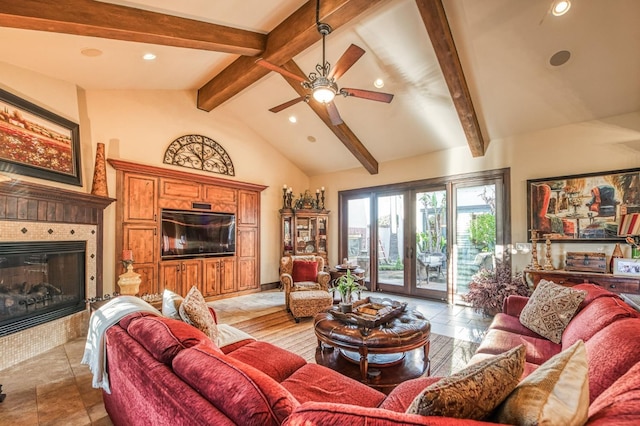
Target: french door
(425, 238)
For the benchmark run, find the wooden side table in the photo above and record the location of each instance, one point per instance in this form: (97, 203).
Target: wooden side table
(614, 283)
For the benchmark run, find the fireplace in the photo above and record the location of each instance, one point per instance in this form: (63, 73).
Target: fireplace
(66, 228)
(40, 282)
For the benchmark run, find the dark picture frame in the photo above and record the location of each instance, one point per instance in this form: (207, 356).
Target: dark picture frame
(38, 143)
(582, 208)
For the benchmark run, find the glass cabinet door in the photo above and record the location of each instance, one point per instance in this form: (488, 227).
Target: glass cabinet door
(287, 236)
(322, 235)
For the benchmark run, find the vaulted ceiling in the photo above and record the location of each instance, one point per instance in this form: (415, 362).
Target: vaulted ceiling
(463, 72)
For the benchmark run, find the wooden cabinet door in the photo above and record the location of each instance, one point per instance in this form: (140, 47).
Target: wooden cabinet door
(148, 279)
(170, 274)
(191, 274)
(247, 244)
(248, 208)
(180, 189)
(228, 272)
(142, 241)
(140, 201)
(247, 277)
(211, 278)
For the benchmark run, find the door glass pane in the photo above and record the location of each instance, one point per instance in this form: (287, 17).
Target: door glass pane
(431, 240)
(390, 240)
(359, 233)
(475, 233)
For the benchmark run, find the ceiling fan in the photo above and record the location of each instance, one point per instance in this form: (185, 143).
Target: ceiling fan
(321, 83)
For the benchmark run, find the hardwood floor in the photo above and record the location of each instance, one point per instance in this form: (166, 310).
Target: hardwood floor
(55, 389)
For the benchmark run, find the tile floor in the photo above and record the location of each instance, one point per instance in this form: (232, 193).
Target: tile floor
(55, 389)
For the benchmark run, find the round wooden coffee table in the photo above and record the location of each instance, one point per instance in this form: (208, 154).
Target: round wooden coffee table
(398, 350)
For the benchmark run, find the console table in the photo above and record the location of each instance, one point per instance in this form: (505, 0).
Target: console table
(614, 283)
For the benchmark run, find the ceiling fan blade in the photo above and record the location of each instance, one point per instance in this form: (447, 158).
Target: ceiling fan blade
(346, 61)
(334, 115)
(368, 94)
(280, 70)
(287, 104)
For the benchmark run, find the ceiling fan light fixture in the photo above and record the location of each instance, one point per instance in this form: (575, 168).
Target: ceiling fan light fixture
(324, 90)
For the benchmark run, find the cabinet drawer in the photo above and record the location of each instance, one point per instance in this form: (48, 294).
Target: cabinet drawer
(220, 195)
(622, 287)
(180, 189)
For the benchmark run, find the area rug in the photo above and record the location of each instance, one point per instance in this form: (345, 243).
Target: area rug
(447, 355)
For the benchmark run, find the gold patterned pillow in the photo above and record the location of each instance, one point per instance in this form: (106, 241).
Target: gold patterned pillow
(474, 392)
(556, 393)
(194, 311)
(550, 308)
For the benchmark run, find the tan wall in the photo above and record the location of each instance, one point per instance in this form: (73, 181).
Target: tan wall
(138, 126)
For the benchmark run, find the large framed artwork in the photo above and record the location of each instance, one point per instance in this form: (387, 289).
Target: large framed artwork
(36, 142)
(584, 207)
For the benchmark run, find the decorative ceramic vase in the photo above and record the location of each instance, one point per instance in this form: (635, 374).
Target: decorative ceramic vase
(129, 282)
(617, 254)
(99, 186)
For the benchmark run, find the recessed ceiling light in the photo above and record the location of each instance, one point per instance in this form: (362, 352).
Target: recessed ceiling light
(293, 119)
(91, 52)
(148, 56)
(379, 83)
(311, 139)
(560, 7)
(560, 58)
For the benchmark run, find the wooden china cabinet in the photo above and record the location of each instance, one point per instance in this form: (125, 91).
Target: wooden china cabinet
(304, 232)
(144, 191)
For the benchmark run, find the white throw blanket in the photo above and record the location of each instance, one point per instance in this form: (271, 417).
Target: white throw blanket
(95, 349)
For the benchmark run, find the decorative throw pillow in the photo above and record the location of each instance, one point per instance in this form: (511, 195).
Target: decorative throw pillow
(556, 393)
(304, 271)
(194, 311)
(171, 304)
(550, 308)
(474, 392)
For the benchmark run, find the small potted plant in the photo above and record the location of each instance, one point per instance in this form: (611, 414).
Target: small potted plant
(346, 285)
(488, 288)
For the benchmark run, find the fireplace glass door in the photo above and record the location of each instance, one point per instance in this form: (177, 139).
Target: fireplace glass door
(40, 282)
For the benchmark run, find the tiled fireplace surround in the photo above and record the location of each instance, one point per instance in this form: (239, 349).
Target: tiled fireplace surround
(54, 208)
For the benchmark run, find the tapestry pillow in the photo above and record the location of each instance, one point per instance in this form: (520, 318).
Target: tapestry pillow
(171, 304)
(194, 311)
(304, 271)
(474, 392)
(556, 393)
(550, 308)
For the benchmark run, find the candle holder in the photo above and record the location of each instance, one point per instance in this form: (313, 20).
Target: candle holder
(129, 282)
(534, 251)
(548, 266)
(284, 198)
(322, 198)
(317, 200)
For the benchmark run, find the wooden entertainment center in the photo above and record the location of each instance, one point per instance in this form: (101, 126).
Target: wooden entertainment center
(143, 191)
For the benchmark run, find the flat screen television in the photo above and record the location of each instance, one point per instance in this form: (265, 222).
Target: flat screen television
(192, 234)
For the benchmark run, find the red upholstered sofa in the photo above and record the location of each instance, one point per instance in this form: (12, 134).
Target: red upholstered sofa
(162, 371)
(609, 327)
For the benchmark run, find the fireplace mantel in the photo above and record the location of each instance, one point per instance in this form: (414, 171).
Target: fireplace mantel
(32, 202)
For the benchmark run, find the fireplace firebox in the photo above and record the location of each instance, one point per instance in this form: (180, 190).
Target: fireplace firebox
(40, 282)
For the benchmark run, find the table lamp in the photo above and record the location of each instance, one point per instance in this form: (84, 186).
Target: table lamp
(630, 229)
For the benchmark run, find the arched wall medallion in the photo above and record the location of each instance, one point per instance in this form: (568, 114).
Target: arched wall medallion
(201, 153)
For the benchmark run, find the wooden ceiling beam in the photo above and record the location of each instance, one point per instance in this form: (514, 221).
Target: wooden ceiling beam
(291, 37)
(96, 19)
(342, 131)
(435, 20)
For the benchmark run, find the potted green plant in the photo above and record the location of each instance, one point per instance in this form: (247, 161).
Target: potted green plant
(489, 287)
(346, 285)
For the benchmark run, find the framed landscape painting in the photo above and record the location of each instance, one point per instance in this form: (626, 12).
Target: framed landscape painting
(38, 143)
(582, 208)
